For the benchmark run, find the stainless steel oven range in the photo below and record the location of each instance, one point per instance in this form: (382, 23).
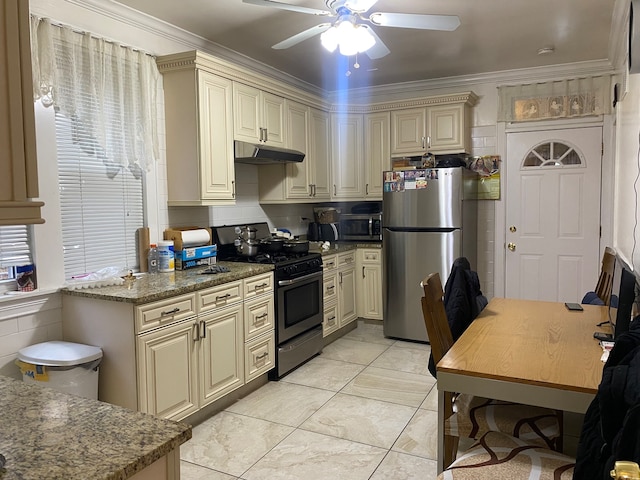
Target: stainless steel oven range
(297, 297)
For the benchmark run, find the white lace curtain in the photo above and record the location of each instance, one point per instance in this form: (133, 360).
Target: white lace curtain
(578, 97)
(101, 84)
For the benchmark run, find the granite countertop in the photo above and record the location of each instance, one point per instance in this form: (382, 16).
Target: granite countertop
(149, 288)
(341, 247)
(51, 435)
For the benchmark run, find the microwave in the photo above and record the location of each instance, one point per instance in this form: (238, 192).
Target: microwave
(363, 227)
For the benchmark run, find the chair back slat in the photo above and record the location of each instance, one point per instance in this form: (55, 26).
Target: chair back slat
(435, 317)
(605, 280)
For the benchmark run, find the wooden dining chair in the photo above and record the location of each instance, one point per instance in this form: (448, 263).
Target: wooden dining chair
(605, 280)
(472, 417)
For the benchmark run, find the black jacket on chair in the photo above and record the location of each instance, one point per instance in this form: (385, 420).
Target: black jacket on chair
(463, 300)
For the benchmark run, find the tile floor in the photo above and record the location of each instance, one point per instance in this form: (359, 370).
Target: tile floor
(365, 408)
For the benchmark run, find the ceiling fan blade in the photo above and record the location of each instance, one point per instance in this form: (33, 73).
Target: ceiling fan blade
(291, 41)
(286, 6)
(379, 49)
(422, 22)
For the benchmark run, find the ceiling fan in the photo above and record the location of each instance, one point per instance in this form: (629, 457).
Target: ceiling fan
(351, 32)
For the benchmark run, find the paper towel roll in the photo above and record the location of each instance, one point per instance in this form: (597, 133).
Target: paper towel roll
(195, 238)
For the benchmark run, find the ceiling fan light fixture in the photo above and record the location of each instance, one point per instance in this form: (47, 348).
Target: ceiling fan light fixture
(349, 37)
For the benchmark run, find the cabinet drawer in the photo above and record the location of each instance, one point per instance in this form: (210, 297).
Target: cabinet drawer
(329, 262)
(258, 316)
(259, 356)
(330, 321)
(371, 256)
(219, 296)
(347, 258)
(329, 287)
(164, 312)
(258, 285)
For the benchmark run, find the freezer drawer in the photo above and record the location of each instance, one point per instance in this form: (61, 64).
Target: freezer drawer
(408, 258)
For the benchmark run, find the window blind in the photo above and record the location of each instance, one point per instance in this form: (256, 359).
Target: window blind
(101, 203)
(14, 249)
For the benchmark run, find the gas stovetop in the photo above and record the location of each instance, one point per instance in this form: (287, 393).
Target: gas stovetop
(293, 263)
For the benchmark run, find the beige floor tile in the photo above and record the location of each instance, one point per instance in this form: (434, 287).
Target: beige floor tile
(360, 419)
(369, 332)
(282, 402)
(391, 386)
(400, 466)
(404, 359)
(232, 443)
(414, 345)
(311, 456)
(189, 471)
(353, 351)
(324, 373)
(431, 402)
(420, 436)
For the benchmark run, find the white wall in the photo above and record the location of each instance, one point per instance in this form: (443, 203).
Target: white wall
(627, 171)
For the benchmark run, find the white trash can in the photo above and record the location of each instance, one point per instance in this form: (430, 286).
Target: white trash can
(64, 366)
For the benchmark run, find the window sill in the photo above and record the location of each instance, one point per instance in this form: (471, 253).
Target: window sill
(15, 296)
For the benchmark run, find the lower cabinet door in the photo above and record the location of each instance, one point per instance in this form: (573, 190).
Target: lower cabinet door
(167, 366)
(347, 308)
(221, 353)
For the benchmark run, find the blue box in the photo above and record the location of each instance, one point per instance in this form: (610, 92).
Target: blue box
(196, 253)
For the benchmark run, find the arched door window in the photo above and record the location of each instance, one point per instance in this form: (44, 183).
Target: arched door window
(553, 154)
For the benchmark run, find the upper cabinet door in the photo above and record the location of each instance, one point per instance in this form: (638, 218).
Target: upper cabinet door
(298, 175)
(408, 131)
(216, 139)
(320, 154)
(377, 153)
(447, 130)
(273, 119)
(19, 181)
(258, 116)
(347, 156)
(246, 113)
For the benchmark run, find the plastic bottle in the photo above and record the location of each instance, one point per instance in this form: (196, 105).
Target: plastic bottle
(165, 256)
(152, 259)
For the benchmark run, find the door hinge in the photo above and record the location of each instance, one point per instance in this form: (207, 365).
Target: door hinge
(602, 149)
(600, 231)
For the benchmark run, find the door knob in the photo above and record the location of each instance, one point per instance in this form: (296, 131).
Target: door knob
(511, 246)
(512, 229)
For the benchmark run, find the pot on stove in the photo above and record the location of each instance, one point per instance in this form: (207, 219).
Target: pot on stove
(296, 246)
(246, 233)
(247, 248)
(272, 244)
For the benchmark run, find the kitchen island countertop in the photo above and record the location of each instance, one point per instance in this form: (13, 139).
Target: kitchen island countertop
(51, 435)
(149, 288)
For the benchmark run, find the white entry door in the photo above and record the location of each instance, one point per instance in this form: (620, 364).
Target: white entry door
(553, 213)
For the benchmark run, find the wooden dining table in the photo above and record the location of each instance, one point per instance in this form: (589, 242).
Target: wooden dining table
(526, 351)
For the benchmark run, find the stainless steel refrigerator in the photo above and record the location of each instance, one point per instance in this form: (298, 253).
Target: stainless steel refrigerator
(429, 219)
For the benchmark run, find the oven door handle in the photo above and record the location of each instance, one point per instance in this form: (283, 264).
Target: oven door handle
(284, 283)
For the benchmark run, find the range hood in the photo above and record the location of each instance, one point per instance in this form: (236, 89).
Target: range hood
(260, 154)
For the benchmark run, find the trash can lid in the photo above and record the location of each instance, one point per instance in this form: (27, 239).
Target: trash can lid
(59, 353)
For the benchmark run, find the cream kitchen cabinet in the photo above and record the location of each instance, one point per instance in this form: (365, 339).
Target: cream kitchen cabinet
(199, 133)
(347, 305)
(19, 181)
(377, 153)
(308, 181)
(331, 320)
(439, 129)
(347, 156)
(369, 282)
(258, 116)
(174, 356)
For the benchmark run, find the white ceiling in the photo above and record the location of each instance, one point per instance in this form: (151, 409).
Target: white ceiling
(494, 35)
